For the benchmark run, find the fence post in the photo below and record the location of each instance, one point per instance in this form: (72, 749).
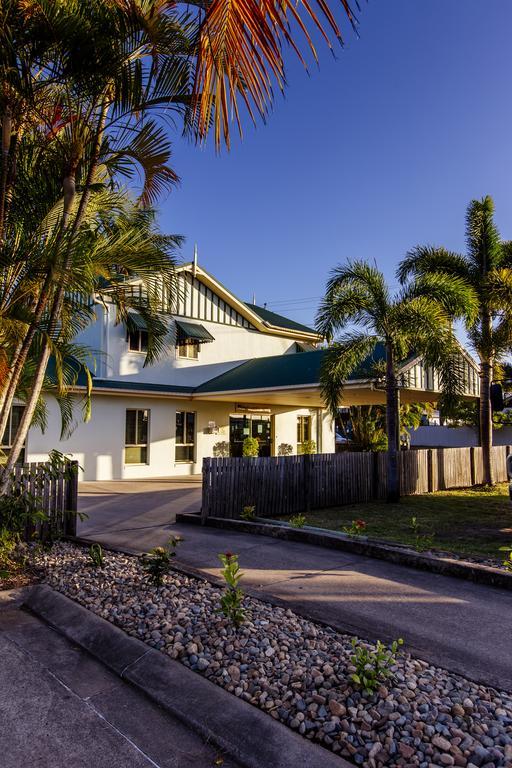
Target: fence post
(472, 465)
(307, 464)
(71, 506)
(205, 490)
(430, 470)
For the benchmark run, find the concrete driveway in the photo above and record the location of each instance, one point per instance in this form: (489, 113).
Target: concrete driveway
(135, 513)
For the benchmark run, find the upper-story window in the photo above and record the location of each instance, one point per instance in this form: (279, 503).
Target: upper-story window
(189, 350)
(138, 341)
(189, 337)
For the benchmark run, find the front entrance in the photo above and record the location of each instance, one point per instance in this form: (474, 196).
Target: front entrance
(250, 425)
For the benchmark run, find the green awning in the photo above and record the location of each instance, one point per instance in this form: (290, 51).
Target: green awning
(137, 321)
(192, 332)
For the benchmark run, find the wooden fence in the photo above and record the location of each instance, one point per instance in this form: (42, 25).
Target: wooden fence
(56, 494)
(285, 485)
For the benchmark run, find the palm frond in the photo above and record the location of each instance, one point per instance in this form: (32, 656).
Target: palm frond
(426, 259)
(339, 362)
(240, 55)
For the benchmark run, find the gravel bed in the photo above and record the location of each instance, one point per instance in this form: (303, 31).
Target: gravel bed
(296, 670)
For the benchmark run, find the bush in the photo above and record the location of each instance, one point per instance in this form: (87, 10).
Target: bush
(285, 449)
(308, 446)
(232, 599)
(248, 513)
(157, 562)
(250, 447)
(373, 667)
(297, 521)
(96, 555)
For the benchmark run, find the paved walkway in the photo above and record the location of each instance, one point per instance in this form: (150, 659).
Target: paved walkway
(454, 623)
(61, 708)
(140, 509)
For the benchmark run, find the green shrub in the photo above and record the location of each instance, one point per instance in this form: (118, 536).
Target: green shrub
(422, 541)
(356, 528)
(96, 555)
(308, 446)
(508, 560)
(250, 447)
(157, 562)
(248, 513)
(373, 667)
(232, 599)
(297, 521)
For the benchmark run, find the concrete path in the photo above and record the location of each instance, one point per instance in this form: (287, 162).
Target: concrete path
(60, 708)
(136, 509)
(454, 623)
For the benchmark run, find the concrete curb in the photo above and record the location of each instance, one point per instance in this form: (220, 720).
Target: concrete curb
(400, 555)
(248, 735)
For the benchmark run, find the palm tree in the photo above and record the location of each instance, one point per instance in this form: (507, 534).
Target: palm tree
(91, 87)
(486, 271)
(115, 246)
(358, 304)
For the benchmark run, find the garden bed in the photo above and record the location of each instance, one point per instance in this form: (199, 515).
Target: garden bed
(295, 670)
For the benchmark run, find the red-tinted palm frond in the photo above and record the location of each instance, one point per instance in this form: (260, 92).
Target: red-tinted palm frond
(240, 55)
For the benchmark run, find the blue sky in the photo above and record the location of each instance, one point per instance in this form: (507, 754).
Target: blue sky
(369, 155)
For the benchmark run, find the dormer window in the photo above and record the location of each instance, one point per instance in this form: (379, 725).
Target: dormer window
(189, 337)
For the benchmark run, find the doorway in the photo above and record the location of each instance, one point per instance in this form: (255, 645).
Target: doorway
(250, 425)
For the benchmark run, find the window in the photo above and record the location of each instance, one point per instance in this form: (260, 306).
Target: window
(138, 341)
(190, 350)
(185, 436)
(10, 433)
(303, 431)
(136, 436)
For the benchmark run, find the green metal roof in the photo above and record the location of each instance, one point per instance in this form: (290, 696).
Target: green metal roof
(283, 371)
(193, 332)
(139, 386)
(278, 320)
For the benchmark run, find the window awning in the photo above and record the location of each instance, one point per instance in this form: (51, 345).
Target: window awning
(189, 333)
(138, 321)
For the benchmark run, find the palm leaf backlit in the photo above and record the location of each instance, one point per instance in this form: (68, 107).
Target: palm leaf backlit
(240, 55)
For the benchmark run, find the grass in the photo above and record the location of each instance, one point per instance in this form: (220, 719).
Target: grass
(472, 521)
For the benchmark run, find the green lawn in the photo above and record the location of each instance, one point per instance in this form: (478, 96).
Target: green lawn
(471, 521)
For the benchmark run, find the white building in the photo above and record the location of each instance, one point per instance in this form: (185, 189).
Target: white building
(161, 420)
(231, 370)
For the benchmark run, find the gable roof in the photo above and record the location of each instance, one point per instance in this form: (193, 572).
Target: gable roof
(260, 318)
(278, 320)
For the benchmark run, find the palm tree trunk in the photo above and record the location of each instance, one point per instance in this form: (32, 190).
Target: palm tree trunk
(26, 419)
(37, 385)
(486, 373)
(392, 422)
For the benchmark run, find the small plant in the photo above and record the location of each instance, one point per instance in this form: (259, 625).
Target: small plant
(157, 562)
(248, 513)
(221, 449)
(250, 447)
(285, 449)
(355, 528)
(422, 541)
(508, 560)
(308, 447)
(373, 667)
(297, 521)
(232, 599)
(96, 555)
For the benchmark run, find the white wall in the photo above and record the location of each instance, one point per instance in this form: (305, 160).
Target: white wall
(232, 346)
(455, 437)
(99, 445)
